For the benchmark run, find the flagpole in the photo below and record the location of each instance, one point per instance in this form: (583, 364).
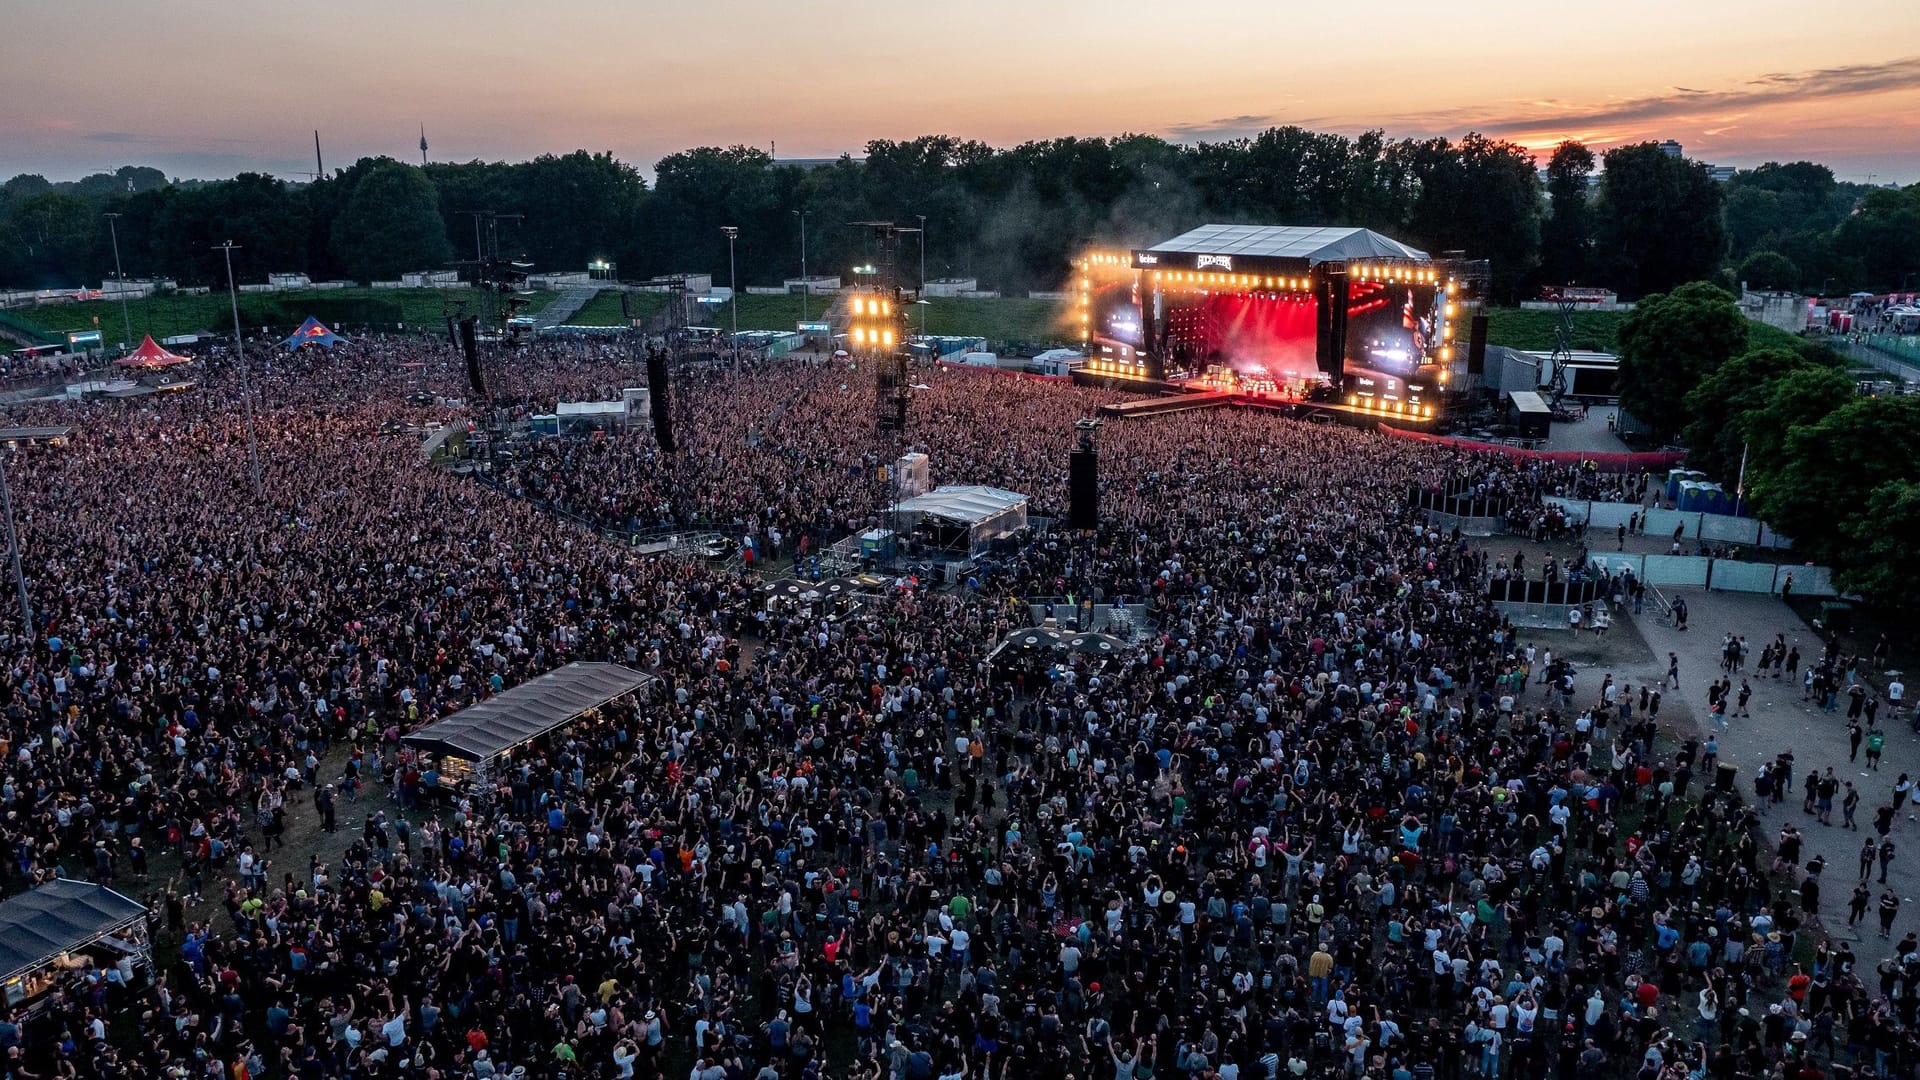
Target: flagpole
(1740, 487)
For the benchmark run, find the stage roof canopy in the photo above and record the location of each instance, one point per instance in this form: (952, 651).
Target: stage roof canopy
(59, 916)
(1226, 247)
(527, 711)
(987, 513)
(961, 502)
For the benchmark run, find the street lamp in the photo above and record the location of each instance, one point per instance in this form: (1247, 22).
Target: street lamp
(240, 355)
(804, 287)
(923, 274)
(733, 289)
(120, 276)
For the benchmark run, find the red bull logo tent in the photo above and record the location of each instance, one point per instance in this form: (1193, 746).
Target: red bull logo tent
(150, 355)
(313, 332)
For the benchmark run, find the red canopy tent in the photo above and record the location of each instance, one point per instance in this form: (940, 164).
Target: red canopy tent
(151, 355)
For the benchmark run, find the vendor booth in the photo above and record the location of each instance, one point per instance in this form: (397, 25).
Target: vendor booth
(313, 332)
(65, 930)
(151, 357)
(965, 518)
(466, 745)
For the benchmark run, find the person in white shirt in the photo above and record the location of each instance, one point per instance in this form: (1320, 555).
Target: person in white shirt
(396, 1029)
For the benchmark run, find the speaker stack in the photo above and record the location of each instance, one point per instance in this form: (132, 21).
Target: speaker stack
(1477, 345)
(660, 389)
(1083, 488)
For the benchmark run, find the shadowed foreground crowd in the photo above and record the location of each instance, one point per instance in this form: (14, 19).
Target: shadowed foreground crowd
(1322, 823)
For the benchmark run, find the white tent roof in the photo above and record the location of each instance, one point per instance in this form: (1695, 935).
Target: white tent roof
(590, 408)
(965, 502)
(1314, 244)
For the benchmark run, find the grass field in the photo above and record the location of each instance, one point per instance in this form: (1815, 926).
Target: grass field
(605, 310)
(1003, 320)
(345, 310)
(1597, 331)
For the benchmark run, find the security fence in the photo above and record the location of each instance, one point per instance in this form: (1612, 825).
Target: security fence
(1605, 517)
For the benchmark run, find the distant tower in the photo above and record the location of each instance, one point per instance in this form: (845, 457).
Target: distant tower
(423, 144)
(1670, 148)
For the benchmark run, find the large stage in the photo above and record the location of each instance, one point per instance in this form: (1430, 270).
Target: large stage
(1340, 318)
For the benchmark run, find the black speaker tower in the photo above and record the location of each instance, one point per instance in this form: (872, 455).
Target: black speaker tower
(1477, 344)
(1083, 479)
(1330, 317)
(466, 332)
(660, 398)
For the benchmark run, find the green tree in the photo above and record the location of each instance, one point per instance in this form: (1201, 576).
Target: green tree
(1659, 221)
(1885, 546)
(1883, 237)
(1669, 345)
(1712, 435)
(1567, 235)
(391, 225)
(53, 232)
(1821, 484)
(1799, 397)
(266, 222)
(1767, 270)
(577, 207)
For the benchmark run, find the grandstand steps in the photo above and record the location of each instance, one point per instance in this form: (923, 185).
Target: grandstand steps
(565, 306)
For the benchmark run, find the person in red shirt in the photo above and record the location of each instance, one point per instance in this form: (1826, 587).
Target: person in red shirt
(1647, 993)
(1797, 985)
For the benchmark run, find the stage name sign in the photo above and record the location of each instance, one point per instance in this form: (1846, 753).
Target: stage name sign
(1224, 262)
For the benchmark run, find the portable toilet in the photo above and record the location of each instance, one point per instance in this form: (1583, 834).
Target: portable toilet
(1677, 477)
(877, 544)
(544, 424)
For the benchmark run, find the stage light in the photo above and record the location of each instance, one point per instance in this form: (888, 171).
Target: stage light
(1353, 399)
(886, 307)
(1399, 406)
(1449, 309)
(1452, 287)
(859, 335)
(1427, 410)
(886, 337)
(1446, 353)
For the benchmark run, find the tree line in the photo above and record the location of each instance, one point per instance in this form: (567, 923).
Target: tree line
(1010, 218)
(1821, 462)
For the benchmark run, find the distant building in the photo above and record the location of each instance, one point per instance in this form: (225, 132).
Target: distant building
(1721, 173)
(1671, 149)
(810, 163)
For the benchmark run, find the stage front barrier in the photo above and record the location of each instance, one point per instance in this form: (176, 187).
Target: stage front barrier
(1534, 616)
(1468, 526)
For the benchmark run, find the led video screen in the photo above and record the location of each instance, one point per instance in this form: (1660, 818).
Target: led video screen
(1393, 330)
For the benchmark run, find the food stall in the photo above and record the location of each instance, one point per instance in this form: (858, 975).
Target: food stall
(61, 931)
(465, 746)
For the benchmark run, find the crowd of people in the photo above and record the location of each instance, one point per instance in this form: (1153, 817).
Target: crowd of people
(1330, 817)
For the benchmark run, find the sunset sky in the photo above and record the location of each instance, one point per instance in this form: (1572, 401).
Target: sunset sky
(206, 88)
